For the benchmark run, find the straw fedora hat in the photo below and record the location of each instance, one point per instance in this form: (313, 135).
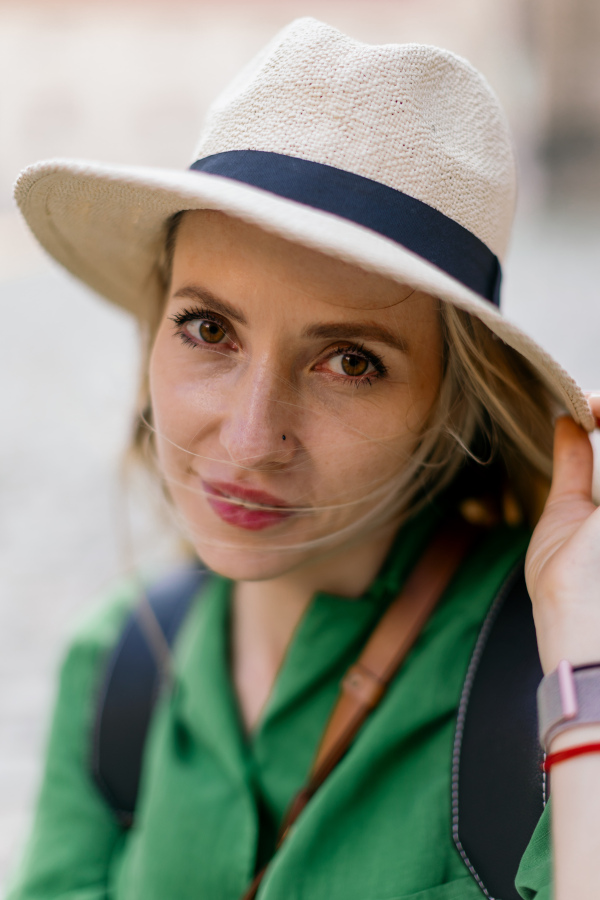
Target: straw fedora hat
(396, 158)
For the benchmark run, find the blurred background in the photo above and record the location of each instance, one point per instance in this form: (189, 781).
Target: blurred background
(129, 82)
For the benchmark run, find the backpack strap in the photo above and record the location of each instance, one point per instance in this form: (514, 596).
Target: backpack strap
(498, 788)
(130, 687)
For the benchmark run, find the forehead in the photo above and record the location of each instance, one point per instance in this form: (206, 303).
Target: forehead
(212, 245)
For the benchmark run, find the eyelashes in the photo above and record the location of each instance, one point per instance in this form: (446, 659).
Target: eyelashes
(191, 314)
(349, 352)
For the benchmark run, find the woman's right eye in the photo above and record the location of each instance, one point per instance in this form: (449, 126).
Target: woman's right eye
(198, 327)
(205, 331)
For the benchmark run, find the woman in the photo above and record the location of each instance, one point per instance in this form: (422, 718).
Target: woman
(329, 381)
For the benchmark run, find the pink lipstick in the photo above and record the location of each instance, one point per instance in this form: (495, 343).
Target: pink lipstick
(241, 506)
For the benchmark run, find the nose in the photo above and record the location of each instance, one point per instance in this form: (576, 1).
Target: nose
(258, 423)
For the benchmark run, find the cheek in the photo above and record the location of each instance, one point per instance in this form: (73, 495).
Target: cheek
(165, 415)
(364, 445)
(180, 409)
(353, 455)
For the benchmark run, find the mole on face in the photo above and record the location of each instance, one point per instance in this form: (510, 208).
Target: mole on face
(283, 437)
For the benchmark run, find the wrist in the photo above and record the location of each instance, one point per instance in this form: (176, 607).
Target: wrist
(558, 637)
(574, 737)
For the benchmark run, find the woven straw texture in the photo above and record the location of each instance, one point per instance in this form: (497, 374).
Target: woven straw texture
(413, 117)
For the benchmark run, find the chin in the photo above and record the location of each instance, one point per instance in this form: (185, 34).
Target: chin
(251, 564)
(246, 554)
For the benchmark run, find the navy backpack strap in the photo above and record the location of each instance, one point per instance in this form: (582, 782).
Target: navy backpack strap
(129, 690)
(498, 788)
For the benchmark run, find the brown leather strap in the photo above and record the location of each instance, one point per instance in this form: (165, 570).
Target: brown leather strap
(366, 681)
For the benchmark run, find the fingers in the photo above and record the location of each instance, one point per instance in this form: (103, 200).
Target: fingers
(594, 401)
(573, 461)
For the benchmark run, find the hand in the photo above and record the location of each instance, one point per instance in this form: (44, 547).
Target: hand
(562, 568)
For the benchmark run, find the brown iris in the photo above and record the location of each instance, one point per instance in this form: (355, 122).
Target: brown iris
(354, 365)
(211, 332)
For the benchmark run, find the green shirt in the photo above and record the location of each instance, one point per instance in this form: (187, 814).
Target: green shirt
(211, 799)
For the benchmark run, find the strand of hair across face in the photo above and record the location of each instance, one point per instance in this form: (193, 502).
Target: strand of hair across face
(299, 510)
(171, 480)
(389, 507)
(284, 451)
(381, 513)
(327, 410)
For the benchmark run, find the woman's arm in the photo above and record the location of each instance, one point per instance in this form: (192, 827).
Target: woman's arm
(563, 577)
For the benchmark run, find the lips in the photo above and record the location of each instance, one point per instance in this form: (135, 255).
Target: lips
(245, 507)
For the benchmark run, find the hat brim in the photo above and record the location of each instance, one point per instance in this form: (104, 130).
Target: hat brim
(105, 224)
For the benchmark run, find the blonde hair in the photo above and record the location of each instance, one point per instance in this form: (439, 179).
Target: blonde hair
(489, 433)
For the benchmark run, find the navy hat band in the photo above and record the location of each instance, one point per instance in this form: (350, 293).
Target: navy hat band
(407, 221)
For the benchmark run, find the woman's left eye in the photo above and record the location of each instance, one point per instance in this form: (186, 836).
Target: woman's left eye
(351, 364)
(356, 365)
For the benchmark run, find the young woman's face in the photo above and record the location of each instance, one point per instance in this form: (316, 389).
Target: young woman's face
(287, 389)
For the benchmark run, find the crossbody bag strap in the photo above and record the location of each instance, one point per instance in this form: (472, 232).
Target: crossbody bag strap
(366, 681)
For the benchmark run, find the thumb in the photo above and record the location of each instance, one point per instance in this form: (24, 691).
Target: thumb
(573, 462)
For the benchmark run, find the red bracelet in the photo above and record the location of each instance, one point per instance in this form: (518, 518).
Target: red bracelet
(561, 755)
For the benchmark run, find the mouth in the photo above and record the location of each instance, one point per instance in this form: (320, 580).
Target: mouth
(245, 507)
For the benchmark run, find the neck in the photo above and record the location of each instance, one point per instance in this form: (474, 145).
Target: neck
(265, 614)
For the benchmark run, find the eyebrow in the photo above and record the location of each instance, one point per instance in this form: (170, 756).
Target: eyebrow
(203, 295)
(357, 331)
